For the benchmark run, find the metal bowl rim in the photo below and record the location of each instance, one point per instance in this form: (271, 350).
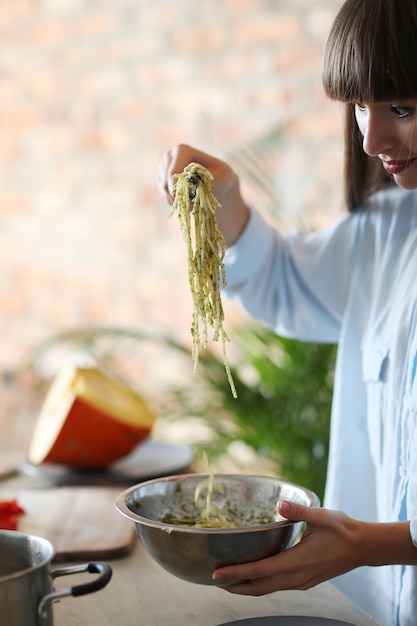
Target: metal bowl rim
(169, 528)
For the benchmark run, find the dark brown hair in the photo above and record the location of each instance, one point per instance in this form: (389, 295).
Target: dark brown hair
(370, 56)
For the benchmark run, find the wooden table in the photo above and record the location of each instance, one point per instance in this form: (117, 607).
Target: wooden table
(141, 593)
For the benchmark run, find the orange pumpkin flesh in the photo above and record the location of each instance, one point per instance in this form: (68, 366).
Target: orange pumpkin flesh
(88, 420)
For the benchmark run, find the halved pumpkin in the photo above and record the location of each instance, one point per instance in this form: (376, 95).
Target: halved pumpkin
(89, 420)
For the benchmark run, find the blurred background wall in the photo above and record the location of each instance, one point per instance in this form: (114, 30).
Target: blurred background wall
(92, 92)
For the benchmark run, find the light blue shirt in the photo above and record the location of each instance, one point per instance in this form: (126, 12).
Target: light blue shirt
(355, 284)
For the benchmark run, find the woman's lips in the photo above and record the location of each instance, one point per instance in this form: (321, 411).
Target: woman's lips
(396, 167)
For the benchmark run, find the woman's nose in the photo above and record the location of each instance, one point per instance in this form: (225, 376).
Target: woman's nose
(376, 130)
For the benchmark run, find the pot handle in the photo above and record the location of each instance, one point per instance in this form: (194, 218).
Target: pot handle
(96, 567)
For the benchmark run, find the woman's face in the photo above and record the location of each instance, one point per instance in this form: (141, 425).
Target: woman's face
(390, 133)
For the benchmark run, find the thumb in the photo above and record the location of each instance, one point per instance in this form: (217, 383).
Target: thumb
(295, 512)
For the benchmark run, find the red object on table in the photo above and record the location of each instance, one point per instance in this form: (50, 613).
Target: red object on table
(10, 510)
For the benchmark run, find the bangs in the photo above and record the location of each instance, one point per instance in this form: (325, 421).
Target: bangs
(371, 52)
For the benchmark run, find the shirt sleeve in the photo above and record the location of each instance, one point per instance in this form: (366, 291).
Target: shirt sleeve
(296, 284)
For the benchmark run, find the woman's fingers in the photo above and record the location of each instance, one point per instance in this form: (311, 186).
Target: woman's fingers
(327, 549)
(173, 162)
(234, 216)
(280, 572)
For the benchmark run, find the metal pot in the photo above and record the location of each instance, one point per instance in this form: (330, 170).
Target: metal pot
(26, 579)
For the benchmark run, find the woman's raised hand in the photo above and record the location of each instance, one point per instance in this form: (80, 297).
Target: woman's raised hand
(233, 214)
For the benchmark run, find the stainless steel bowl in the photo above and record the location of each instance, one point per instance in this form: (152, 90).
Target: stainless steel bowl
(193, 553)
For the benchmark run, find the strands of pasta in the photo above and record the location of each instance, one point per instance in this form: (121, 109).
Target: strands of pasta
(211, 517)
(205, 253)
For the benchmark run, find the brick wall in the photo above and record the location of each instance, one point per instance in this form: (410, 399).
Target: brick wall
(91, 94)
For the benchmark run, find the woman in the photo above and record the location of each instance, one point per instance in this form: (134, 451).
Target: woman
(353, 283)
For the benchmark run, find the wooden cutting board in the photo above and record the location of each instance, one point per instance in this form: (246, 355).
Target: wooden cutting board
(82, 523)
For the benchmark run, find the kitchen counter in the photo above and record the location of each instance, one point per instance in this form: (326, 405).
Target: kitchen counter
(140, 592)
